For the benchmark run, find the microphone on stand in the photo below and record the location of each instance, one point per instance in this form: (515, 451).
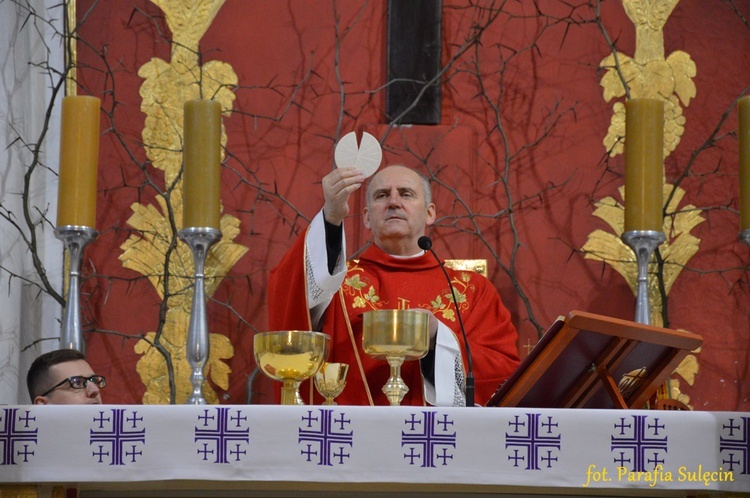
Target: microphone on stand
(425, 243)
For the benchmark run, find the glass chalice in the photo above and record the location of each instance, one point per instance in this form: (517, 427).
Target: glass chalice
(396, 336)
(290, 356)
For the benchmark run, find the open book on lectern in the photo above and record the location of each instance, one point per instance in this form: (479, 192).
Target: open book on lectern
(592, 361)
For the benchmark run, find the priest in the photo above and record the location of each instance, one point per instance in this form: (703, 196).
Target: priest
(314, 287)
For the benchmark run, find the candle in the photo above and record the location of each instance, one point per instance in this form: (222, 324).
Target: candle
(79, 159)
(744, 146)
(644, 157)
(202, 161)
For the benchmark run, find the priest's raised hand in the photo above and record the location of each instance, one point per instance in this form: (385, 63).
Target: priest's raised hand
(338, 186)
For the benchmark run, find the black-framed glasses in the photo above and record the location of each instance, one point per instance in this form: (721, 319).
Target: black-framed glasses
(80, 382)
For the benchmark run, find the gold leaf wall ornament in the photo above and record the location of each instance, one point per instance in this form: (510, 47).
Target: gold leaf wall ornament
(679, 247)
(687, 370)
(689, 367)
(166, 87)
(648, 74)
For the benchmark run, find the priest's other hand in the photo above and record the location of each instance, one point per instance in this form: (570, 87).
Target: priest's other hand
(338, 185)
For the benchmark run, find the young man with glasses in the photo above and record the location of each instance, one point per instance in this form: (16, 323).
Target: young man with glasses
(63, 377)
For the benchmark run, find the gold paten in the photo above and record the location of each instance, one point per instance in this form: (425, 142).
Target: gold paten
(648, 74)
(166, 87)
(290, 356)
(396, 336)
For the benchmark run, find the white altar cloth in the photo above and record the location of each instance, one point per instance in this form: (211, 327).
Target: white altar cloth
(512, 447)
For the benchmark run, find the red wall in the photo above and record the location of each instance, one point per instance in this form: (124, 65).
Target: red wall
(523, 119)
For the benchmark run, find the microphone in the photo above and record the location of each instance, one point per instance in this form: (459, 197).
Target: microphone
(425, 243)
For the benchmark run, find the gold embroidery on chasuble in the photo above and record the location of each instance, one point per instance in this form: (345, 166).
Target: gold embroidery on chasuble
(648, 74)
(361, 294)
(441, 305)
(156, 252)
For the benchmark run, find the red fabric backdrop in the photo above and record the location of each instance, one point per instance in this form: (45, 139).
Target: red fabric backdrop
(523, 119)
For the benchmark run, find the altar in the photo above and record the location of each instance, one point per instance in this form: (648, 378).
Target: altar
(131, 450)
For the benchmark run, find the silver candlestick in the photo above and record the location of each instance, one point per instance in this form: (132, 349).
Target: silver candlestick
(75, 238)
(643, 243)
(200, 240)
(745, 236)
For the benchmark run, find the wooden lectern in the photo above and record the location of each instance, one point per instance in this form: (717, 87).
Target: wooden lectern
(593, 361)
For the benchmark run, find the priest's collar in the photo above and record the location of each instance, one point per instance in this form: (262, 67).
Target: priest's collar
(420, 253)
(418, 261)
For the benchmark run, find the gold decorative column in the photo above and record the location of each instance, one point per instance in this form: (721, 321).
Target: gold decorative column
(167, 86)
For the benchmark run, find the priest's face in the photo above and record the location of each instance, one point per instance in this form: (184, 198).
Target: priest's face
(398, 210)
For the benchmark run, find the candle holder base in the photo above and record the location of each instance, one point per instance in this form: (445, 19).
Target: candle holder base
(643, 243)
(75, 238)
(200, 240)
(745, 236)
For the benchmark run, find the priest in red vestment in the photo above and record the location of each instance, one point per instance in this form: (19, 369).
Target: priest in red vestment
(315, 288)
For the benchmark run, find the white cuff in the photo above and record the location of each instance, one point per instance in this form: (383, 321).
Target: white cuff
(442, 393)
(317, 264)
(321, 286)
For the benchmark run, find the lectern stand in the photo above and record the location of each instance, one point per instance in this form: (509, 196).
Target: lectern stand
(593, 361)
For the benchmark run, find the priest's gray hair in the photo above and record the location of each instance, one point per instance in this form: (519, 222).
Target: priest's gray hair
(425, 185)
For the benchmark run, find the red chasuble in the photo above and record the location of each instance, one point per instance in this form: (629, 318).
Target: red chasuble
(380, 281)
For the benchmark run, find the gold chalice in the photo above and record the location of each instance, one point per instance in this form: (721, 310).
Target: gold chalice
(291, 356)
(396, 336)
(330, 380)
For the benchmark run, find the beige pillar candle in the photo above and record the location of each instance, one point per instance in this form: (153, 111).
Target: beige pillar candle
(644, 168)
(743, 138)
(202, 164)
(79, 161)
